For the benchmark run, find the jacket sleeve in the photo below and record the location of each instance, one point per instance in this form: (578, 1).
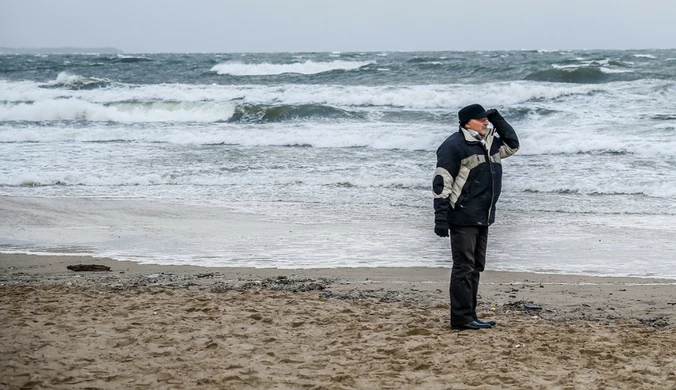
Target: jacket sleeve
(510, 142)
(447, 169)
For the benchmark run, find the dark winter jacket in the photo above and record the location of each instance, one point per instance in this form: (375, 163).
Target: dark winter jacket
(468, 178)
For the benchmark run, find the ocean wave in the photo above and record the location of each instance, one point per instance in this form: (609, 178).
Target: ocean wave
(574, 75)
(250, 113)
(80, 110)
(581, 63)
(653, 190)
(266, 69)
(253, 176)
(663, 117)
(75, 82)
(424, 60)
(417, 97)
(565, 144)
(129, 59)
(290, 134)
(519, 113)
(58, 179)
(134, 111)
(585, 71)
(207, 179)
(587, 191)
(649, 56)
(611, 70)
(576, 141)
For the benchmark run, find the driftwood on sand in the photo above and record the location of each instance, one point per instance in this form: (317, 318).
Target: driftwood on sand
(88, 267)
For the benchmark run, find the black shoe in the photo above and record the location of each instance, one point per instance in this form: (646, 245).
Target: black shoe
(489, 322)
(472, 325)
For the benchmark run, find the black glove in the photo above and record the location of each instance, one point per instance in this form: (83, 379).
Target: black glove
(441, 231)
(493, 114)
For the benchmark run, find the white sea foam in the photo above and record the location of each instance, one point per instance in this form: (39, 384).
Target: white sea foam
(595, 185)
(84, 178)
(612, 70)
(80, 110)
(645, 56)
(27, 101)
(569, 140)
(567, 66)
(442, 97)
(307, 67)
(325, 135)
(21, 91)
(126, 57)
(604, 65)
(75, 81)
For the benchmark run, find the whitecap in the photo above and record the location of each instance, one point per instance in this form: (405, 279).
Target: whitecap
(307, 67)
(611, 70)
(80, 110)
(128, 57)
(68, 80)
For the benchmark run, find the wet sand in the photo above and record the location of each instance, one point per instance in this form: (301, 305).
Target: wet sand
(149, 326)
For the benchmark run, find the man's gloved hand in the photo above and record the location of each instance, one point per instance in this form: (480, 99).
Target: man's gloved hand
(493, 114)
(441, 231)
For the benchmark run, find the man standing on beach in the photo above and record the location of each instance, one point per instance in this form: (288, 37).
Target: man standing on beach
(467, 184)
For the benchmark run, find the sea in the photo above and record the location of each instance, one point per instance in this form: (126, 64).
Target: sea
(314, 160)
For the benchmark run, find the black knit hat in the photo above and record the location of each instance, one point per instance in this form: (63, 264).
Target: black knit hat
(473, 111)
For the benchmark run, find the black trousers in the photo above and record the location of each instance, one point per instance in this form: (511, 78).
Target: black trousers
(468, 248)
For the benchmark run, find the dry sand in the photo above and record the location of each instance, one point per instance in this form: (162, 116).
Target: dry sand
(147, 326)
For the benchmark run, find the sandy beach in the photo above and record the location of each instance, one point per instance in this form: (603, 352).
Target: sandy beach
(151, 326)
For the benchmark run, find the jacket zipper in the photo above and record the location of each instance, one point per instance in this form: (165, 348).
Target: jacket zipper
(490, 168)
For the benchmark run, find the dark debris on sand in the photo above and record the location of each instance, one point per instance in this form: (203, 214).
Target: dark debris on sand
(216, 282)
(225, 282)
(278, 283)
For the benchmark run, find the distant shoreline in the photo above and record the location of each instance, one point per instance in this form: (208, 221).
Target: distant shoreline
(60, 50)
(112, 50)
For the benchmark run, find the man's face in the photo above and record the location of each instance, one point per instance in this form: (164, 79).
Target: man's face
(478, 125)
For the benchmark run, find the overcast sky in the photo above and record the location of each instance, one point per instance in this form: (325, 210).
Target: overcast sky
(338, 25)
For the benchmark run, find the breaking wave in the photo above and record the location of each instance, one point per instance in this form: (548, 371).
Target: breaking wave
(575, 75)
(264, 69)
(125, 112)
(130, 59)
(247, 113)
(122, 179)
(651, 189)
(29, 101)
(168, 111)
(75, 82)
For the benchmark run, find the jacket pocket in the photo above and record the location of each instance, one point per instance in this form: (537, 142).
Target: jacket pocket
(465, 194)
